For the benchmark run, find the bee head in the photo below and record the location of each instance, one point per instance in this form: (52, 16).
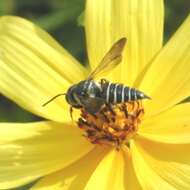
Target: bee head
(78, 93)
(75, 93)
(70, 96)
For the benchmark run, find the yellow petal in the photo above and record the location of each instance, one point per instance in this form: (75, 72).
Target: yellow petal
(114, 172)
(75, 176)
(90, 168)
(29, 151)
(147, 176)
(109, 173)
(172, 126)
(168, 80)
(141, 22)
(170, 162)
(131, 181)
(34, 68)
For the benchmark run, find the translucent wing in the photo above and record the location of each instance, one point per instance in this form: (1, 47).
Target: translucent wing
(111, 59)
(92, 104)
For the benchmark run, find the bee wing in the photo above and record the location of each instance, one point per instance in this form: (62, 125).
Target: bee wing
(111, 59)
(92, 104)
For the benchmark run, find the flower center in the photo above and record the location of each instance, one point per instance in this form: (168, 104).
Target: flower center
(112, 125)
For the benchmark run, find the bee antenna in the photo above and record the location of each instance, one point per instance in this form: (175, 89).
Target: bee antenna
(53, 98)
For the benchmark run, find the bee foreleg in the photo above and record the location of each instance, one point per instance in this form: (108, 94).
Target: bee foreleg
(71, 112)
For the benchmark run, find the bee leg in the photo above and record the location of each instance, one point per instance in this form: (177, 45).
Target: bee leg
(104, 116)
(139, 103)
(109, 106)
(124, 109)
(71, 112)
(103, 81)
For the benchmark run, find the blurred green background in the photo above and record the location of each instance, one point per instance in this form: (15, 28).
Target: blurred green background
(62, 19)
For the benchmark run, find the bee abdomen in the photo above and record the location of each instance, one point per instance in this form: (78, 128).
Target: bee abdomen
(118, 93)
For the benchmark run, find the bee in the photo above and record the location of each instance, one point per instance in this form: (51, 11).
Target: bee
(92, 95)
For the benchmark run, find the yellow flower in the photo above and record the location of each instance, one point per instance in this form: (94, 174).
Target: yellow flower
(33, 68)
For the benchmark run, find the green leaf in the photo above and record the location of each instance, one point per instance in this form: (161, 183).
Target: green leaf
(68, 11)
(80, 19)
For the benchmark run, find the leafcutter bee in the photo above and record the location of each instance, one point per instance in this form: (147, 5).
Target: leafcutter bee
(92, 95)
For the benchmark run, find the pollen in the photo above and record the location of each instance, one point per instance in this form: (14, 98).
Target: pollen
(113, 125)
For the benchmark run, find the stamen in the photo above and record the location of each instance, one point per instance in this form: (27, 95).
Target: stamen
(113, 125)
